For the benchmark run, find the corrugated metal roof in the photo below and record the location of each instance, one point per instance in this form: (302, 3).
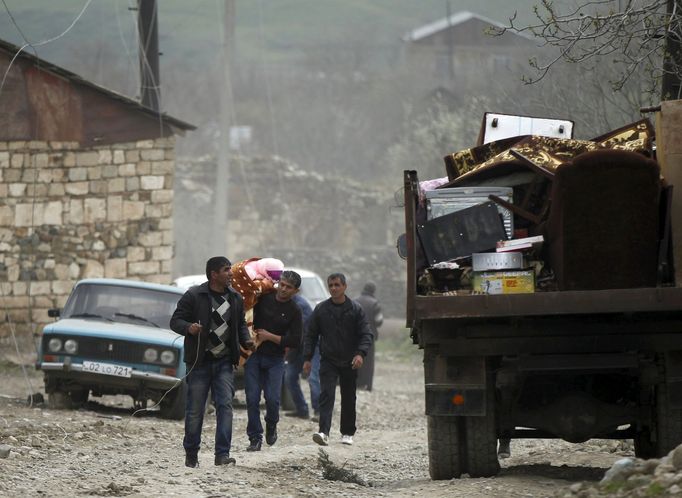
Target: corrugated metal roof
(431, 29)
(44, 65)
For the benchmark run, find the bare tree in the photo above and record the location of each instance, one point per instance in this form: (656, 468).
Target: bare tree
(639, 37)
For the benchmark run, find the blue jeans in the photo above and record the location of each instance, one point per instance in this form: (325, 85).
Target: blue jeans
(217, 375)
(294, 368)
(262, 372)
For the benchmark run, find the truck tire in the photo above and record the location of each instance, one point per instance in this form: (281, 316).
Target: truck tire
(445, 447)
(481, 441)
(668, 423)
(668, 428)
(173, 405)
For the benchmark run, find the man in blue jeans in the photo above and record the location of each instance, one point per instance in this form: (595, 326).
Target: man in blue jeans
(294, 368)
(211, 317)
(278, 324)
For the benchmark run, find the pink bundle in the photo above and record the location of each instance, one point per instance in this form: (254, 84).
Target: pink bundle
(265, 268)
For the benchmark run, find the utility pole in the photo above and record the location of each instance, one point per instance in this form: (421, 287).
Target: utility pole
(147, 27)
(220, 191)
(672, 63)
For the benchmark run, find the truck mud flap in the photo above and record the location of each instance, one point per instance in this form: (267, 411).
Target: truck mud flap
(456, 402)
(455, 385)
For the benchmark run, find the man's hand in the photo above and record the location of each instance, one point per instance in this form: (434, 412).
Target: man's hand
(263, 335)
(194, 328)
(307, 365)
(357, 362)
(250, 345)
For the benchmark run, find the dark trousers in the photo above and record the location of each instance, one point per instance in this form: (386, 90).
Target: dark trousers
(264, 373)
(347, 377)
(218, 376)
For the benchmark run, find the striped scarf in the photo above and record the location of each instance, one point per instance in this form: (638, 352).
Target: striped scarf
(218, 336)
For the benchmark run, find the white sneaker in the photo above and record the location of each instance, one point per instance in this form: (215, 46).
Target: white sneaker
(346, 439)
(321, 438)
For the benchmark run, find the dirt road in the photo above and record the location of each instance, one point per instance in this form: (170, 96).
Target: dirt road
(104, 451)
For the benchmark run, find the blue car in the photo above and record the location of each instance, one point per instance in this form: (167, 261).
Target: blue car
(112, 337)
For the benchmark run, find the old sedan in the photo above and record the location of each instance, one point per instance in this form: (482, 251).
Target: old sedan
(112, 337)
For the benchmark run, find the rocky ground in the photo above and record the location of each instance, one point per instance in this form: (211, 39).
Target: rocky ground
(103, 450)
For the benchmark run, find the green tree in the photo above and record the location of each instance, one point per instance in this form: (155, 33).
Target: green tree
(426, 138)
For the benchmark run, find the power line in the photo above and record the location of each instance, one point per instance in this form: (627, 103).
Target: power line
(38, 44)
(35, 177)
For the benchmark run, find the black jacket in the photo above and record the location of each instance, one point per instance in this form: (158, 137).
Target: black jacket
(340, 339)
(195, 306)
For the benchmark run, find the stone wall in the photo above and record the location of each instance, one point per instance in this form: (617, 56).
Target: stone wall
(69, 213)
(307, 220)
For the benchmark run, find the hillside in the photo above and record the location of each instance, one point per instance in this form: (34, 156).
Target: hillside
(265, 29)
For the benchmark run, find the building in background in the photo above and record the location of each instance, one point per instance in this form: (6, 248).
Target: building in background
(459, 52)
(86, 182)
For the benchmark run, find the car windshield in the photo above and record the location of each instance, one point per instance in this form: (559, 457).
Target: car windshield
(148, 307)
(313, 289)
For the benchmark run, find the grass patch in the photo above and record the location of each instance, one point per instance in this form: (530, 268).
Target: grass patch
(333, 472)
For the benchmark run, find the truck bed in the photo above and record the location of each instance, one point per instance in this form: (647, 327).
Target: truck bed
(548, 303)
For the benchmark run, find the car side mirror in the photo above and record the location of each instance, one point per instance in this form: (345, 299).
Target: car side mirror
(53, 312)
(401, 245)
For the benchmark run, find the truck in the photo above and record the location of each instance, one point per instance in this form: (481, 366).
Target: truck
(571, 362)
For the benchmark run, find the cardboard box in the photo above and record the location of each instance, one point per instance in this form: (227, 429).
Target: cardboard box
(504, 282)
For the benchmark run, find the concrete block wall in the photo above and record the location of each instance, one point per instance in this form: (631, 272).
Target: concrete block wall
(69, 213)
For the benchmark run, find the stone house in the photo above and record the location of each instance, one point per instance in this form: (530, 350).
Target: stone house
(86, 187)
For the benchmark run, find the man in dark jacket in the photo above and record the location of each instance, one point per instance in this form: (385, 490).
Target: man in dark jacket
(372, 308)
(294, 367)
(278, 325)
(345, 337)
(211, 317)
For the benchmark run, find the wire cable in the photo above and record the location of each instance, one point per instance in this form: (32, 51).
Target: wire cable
(38, 44)
(177, 383)
(15, 22)
(142, 48)
(31, 323)
(268, 93)
(129, 56)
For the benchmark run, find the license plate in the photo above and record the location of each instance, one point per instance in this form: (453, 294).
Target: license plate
(106, 369)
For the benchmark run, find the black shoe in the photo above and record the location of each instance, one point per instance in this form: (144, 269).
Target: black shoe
(191, 461)
(270, 434)
(255, 445)
(224, 460)
(304, 415)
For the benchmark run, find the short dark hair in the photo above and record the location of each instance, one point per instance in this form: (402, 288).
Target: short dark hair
(335, 276)
(292, 277)
(215, 264)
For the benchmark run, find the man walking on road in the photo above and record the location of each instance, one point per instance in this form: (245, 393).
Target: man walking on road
(372, 308)
(294, 367)
(340, 326)
(211, 317)
(278, 324)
